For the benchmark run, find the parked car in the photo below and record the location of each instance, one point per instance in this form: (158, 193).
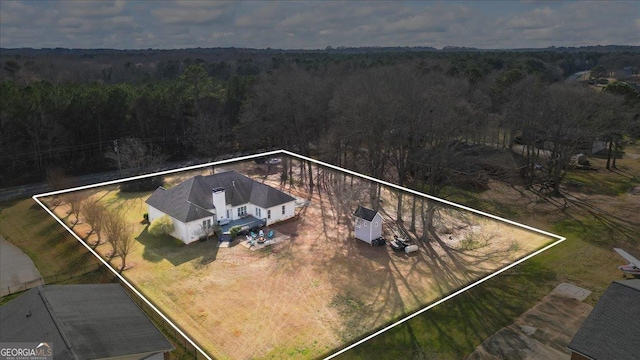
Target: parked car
(378, 242)
(274, 161)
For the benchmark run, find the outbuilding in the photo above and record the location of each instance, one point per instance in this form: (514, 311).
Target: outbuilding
(368, 224)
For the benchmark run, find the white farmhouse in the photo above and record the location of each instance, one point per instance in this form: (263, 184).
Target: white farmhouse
(228, 199)
(368, 224)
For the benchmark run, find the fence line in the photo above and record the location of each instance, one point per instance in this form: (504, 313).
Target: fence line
(50, 279)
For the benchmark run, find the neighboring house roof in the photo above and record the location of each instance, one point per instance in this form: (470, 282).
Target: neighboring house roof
(365, 213)
(612, 329)
(189, 200)
(82, 322)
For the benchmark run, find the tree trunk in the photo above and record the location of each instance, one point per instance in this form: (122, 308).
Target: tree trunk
(310, 177)
(399, 211)
(412, 227)
(609, 155)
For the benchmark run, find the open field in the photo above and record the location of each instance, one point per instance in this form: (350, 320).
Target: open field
(322, 289)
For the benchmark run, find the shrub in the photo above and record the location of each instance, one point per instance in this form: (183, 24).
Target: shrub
(161, 226)
(234, 231)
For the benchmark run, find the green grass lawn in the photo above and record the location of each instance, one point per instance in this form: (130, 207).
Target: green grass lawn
(52, 249)
(55, 252)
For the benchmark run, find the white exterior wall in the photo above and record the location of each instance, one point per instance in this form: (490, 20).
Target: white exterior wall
(234, 211)
(153, 213)
(179, 231)
(276, 212)
(367, 231)
(187, 233)
(219, 202)
(376, 227)
(194, 229)
(179, 228)
(263, 212)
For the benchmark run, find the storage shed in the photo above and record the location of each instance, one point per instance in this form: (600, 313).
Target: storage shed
(368, 224)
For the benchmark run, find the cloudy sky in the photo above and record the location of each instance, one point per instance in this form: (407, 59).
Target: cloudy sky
(316, 24)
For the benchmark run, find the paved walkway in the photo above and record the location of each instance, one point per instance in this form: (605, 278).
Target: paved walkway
(543, 332)
(17, 271)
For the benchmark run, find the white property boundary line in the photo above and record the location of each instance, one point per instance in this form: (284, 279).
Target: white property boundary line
(36, 198)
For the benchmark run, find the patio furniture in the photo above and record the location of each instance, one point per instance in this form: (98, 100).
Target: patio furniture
(271, 234)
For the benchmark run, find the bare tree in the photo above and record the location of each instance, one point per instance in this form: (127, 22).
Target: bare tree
(75, 199)
(58, 180)
(125, 245)
(114, 229)
(94, 214)
(135, 156)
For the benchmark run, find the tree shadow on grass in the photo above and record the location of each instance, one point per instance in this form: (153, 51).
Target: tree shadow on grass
(453, 329)
(593, 223)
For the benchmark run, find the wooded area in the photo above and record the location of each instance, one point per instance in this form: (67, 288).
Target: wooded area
(412, 117)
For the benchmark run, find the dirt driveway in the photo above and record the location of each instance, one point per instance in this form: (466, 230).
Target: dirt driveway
(543, 332)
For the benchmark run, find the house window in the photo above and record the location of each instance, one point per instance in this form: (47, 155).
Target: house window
(376, 224)
(366, 223)
(242, 211)
(282, 209)
(268, 214)
(204, 223)
(228, 214)
(209, 224)
(258, 213)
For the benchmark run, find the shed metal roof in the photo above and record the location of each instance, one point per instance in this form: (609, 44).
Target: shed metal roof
(365, 213)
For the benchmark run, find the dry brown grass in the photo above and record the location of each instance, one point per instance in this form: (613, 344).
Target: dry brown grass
(318, 291)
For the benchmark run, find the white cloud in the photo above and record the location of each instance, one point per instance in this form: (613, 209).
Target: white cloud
(316, 24)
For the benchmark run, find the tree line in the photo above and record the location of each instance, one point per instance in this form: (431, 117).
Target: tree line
(405, 117)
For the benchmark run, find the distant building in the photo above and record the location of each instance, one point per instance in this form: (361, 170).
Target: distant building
(368, 224)
(98, 321)
(612, 330)
(227, 198)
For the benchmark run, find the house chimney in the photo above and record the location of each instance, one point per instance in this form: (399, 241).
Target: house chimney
(219, 203)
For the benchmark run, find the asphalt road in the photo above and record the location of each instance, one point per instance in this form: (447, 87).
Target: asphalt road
(17, 271)
(27, 191)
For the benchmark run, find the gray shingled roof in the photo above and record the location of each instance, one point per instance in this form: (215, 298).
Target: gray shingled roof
(190, 199)
(365, 213)
(82, 321)
(612, 329)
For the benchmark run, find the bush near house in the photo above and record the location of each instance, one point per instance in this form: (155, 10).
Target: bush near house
(234, 231)
(161, 226)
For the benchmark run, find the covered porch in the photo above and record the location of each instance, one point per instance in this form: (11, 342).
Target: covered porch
(245, 223)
